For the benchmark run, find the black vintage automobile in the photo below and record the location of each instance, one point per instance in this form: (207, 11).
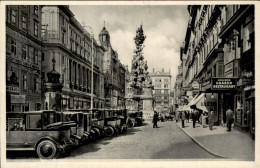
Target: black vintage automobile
(122, 119)
(38, 131)
(78, 132)
(111, 123)
(93, 123)
(135, 118)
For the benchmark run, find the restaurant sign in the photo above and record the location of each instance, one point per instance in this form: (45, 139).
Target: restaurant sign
(223, 83)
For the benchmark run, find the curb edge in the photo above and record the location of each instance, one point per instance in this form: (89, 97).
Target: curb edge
(201, 144)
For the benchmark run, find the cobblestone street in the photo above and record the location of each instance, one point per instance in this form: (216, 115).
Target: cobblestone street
(166, 142)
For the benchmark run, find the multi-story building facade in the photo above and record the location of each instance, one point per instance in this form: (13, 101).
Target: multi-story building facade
(162, 83)
(114, 72)
(238, 38)
(218, 60)
(68, 42)
(23, 53)
(178, 87)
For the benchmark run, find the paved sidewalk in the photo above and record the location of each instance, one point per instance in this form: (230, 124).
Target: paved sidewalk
(234, 145)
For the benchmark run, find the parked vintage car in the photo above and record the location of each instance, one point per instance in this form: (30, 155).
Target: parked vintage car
(121, 114)
(93, 125)
(135, 118)
(111, 123)
(139, 118)
(78, 134)
(38, 131)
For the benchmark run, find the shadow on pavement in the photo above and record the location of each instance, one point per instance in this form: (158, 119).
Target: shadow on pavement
(21, 155)
(97, 145)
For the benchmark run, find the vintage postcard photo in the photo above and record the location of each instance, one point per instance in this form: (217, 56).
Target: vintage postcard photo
(132, 81)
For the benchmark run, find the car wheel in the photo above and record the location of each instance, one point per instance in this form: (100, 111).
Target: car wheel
(109, 131)
(46, 149)
(97, 133)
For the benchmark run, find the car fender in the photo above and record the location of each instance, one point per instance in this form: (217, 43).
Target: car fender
(111, 126)
(97, 126)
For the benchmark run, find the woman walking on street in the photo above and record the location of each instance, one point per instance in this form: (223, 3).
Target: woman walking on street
(155, 119)
(183, 118)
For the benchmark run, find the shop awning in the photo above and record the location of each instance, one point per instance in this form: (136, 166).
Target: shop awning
(199, 101)
(180, 108)
(187, 108)
(193, 100)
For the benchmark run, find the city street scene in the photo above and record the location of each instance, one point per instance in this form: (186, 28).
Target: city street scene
(130, 82)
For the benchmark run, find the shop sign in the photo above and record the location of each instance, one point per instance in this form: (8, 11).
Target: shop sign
(14, 89)
(223, 83)
(15, 99)
(195, 85)
(186, 88)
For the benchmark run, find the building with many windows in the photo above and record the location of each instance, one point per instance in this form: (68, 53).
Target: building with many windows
(162, 83)
(23, 53)
(68, 42)
(114, 74)
(217, 59)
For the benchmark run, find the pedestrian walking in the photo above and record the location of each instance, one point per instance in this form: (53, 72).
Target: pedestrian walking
(230, 120)
(211, 119)
(183, 118)
(177, 116)
(204, 118)
(187, 113)
(194, 117)
(155, 119)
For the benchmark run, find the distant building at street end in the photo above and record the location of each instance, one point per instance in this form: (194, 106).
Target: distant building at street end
(162, 83)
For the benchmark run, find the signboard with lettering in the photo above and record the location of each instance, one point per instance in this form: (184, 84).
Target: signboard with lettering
(223, 83)
(13, 89)
(18, 99)
(195, 85)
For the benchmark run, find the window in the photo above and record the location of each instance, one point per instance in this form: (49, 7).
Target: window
(34, 121)
(71, 44)
(63, 38)
(36, 28)
(13, 46)
(35, 56)
(35, 88)
(36, 10)
(24, 51)
(165, 85)
(42, 56)
(13, 17)
(24, 22)
(24, 82)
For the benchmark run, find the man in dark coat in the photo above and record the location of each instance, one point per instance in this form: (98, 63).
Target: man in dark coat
(155, 119)
(194, 116)
(229, 114)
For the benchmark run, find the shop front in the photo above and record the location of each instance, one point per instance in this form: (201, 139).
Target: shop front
(226, 88)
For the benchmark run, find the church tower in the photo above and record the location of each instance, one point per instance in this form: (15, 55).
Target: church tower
(104, 37)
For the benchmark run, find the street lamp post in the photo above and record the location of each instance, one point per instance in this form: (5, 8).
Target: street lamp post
(92, 67)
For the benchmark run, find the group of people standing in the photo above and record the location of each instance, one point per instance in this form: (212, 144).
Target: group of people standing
(195, 115)
(204, 117)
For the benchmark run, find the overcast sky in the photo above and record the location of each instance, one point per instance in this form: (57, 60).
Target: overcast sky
(164, 26)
